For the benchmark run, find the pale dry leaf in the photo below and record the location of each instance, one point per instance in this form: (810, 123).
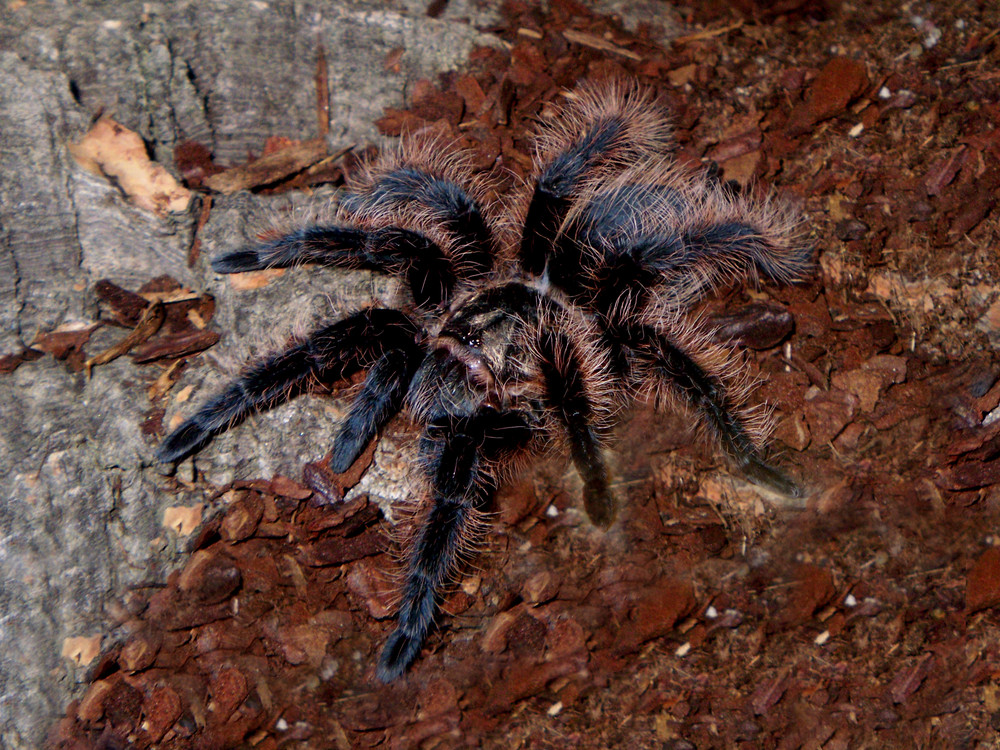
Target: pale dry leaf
(81, 649)
(114, 151)
(183, 519)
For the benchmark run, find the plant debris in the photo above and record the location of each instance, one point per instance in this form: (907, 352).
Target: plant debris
(112, 150)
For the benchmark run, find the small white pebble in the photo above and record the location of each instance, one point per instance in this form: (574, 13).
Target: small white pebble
(555, 708)
(856, 130)
(683, 649)
(992, 417)
(884, 93)
(281, 725)
(960, 24)
(850, 601)
(822, 638)
(932, 38)
(552, 511)
(711, 613)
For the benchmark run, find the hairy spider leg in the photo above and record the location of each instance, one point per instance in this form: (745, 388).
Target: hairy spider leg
(448, 203)
(605, 126)
(606, 233)
(461, 455)
(556, 185)
(328, 354)
(624, 256)
(708, 397)
(430, 273)
(727, 249)
(566, 393)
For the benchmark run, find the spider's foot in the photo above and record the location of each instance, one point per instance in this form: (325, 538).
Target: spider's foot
(238, 262)
(183, 441)
(763, 475)
(345, 452)
(399, 652)
(601, 506)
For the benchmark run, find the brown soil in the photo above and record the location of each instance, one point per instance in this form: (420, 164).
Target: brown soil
(707, 617)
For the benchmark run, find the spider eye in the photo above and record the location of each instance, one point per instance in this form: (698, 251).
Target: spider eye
(473, 339)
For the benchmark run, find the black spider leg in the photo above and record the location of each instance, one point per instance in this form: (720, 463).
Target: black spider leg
(738, 246)
(400, 252)
(554, 190)
(459, 453)
(383, 340)
(450, 204)
(619, 256)
(566, 393)
(626, 259)
(708, 397)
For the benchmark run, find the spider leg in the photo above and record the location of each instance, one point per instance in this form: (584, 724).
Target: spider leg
(708, 396)
(638, 240)
(447, 203)
(567, 393)
(728, 248)
(365, 339)
(461, 455)
(431, 274)
(555, 188)
(605, 126)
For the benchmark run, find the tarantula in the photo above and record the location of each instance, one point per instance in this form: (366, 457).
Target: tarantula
(507, 343)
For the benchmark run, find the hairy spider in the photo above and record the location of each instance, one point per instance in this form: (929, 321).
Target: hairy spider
(509, 342)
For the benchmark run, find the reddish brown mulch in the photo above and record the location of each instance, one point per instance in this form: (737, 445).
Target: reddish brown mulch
(705, 618)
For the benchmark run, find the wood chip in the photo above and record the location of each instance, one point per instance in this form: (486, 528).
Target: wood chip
(149, 324)
(322, 93)
(270, 168)
(598, 43)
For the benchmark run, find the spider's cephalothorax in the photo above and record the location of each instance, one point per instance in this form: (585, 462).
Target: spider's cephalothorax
(504, 346)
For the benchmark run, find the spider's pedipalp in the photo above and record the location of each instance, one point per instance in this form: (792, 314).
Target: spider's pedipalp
(380, 399)
(329, 354)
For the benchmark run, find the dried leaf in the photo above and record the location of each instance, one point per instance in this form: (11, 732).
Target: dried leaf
(270, 168)
(177, 345)
(183, 519)
(126, 307)
(81, 649)
(113, 150)
(149, 324)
